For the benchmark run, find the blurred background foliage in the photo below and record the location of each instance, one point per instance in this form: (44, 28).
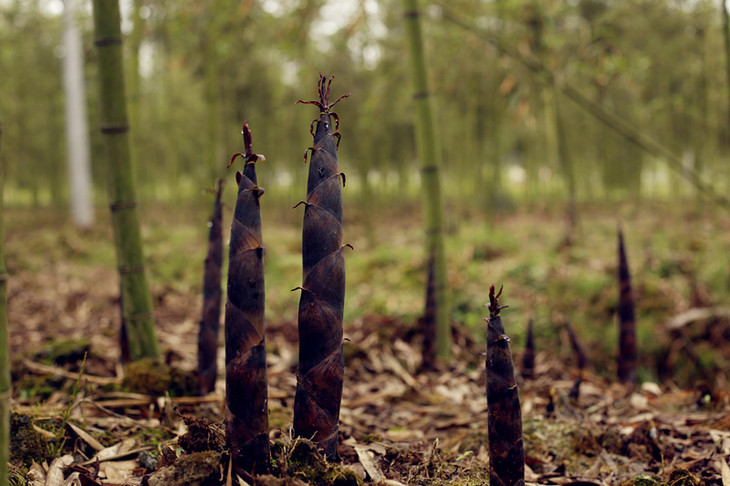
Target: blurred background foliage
(197, 68)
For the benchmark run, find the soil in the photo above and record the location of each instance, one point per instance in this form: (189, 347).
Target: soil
(398, 423)
(78, 415)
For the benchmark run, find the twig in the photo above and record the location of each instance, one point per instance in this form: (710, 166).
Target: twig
(71, 375)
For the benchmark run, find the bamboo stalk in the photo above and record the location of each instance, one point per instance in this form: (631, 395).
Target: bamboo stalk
(321, 305)
(726, 45)
(429, 153)
(212, 295)
(247, 414)
(138, 325)
(5, 383)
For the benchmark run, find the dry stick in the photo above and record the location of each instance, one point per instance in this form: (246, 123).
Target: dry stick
(608, 118)
(247, 421)
(528, 358)
(506, 451)
(212, 295)
(627, 355)
(321, 305)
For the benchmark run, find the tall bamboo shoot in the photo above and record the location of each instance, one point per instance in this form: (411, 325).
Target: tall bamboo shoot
(247, 418)
(322, 301)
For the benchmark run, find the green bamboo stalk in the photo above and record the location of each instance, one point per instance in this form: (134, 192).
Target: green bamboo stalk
(429, 153)
(568, 169)
(5, 384)
(138, 323)
(726, 42)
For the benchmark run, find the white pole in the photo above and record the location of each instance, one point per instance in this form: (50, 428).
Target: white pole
(77, 132)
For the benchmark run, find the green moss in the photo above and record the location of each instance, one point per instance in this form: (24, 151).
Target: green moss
(370, 438)
(183, 383)
(151, 377)
(64, 351)
(682, 477)
(38, 387)
(304, 461)
(644, 480)
(279, 417)
(199, 469)
(26, 444)
(147, 376)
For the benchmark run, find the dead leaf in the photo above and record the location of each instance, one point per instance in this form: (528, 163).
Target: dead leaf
(724, 472)
(55, 470)
(95, 444)
(367, 459)
(74, 479)
(36, 475)
(118, 471)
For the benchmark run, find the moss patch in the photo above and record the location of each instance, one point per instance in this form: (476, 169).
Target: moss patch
(301, 460)
(26, 444)
(198, 469)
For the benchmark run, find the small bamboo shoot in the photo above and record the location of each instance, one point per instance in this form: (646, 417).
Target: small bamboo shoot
(504, 416)
(212, 295)
(627, 356)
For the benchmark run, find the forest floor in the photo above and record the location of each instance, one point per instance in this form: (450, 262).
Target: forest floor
(399, 425)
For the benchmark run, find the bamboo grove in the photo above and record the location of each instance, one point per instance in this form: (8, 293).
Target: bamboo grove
(320, 315)
(511, 118)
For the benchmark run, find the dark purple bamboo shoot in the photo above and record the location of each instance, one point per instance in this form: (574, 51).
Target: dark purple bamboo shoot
(321, 306)
(504, 416)
(212, 294)
(581, 358)
(427, 323)
(627, 354)
(528, 358)
(247, 420)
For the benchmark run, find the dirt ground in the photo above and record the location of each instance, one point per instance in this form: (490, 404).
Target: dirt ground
(399, 425)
